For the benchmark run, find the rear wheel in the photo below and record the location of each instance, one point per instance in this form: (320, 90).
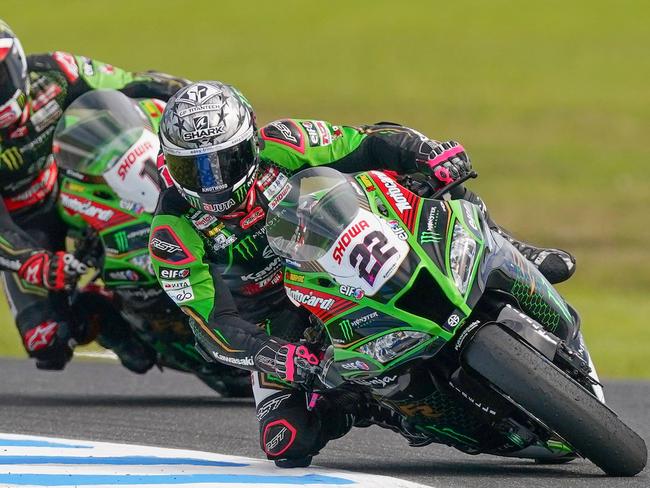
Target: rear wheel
(540, 388)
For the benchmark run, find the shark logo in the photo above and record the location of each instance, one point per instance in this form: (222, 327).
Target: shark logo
(200, 122)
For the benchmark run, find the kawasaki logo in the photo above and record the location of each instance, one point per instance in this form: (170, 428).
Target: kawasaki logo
(247, 361)
(271, 267)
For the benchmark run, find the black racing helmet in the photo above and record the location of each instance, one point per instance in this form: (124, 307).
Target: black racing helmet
(14, 81)
(209, 140)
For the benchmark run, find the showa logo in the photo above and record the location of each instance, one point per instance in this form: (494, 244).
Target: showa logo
(344, 241)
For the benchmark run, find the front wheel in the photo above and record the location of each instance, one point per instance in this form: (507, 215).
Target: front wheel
(540, 388)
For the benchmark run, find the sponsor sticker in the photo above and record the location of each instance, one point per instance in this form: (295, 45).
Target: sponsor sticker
(175, 285)
(280, 196)
(174, 274)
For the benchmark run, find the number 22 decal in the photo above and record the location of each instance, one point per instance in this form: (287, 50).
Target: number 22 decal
(371, 247)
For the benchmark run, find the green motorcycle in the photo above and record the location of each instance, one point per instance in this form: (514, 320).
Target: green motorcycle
(442, 320)
(106, 146)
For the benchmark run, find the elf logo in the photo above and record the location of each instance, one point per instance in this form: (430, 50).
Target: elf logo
(174, 274)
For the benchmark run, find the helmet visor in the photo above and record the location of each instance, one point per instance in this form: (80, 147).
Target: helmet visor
(13, 75)
(213, 172)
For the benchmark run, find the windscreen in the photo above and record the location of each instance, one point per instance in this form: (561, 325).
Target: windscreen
(310, 212)
(96, 130)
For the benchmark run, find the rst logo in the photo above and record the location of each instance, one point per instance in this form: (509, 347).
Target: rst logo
(344, 241)
(394, 192)
(174, 274)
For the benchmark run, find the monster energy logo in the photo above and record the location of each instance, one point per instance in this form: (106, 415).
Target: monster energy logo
(246, 247)
(346, 328)
(121, 241)
(11, 158)
(428, 237)
(240, 193)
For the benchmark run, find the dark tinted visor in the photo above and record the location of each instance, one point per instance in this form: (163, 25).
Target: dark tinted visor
(213, 172)
(11, 75)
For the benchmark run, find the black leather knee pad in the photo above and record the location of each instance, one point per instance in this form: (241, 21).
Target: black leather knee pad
(287, 429)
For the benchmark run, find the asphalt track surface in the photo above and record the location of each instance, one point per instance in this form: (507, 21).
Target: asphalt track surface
(104, 402)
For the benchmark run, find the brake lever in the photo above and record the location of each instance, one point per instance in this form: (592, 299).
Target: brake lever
(450, 186)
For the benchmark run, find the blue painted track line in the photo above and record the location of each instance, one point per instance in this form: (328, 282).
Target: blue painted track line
(125, 480)
(114, 460)
(35, 443)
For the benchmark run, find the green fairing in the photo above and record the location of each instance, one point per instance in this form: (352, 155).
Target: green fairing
(112, 236)
(121, 254)
(347, 341)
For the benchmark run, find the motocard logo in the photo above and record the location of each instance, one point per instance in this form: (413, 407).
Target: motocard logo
(394, 192)
(309, 299)
(344, 241)
(86, 208)
(132, 157)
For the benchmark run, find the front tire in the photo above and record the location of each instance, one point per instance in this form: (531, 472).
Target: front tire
(551, 396)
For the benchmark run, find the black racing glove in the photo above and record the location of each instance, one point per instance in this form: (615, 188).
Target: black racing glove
(296, 363)
(448, 162)
(52, 271)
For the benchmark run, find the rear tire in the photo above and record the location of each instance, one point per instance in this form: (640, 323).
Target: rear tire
(538, 386)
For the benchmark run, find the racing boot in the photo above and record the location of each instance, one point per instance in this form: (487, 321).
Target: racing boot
(371, 412)
(555, 264)
(95, 308)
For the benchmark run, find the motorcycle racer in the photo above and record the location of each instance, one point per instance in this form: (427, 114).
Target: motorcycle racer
(209, 248)
(34, 92)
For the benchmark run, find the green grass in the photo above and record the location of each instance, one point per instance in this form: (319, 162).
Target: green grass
(550, 98)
